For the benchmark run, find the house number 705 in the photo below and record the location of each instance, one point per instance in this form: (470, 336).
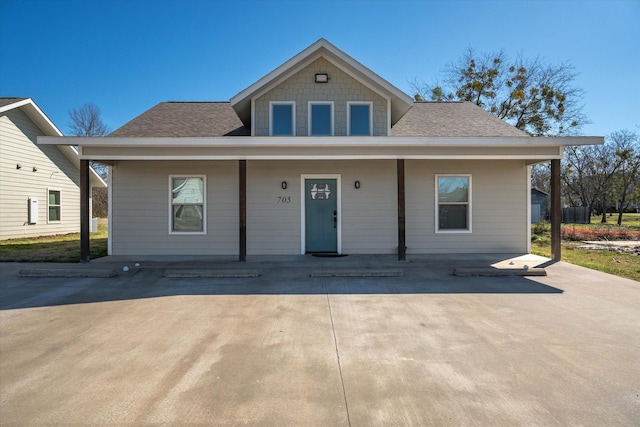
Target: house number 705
(286, 199)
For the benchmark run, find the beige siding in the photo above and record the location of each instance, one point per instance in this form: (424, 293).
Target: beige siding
(499, 207)
(273, 227)
(368, 214)
(140, 216)
(54, 171)
(301, 88)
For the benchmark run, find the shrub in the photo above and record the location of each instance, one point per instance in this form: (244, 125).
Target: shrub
(581, 233)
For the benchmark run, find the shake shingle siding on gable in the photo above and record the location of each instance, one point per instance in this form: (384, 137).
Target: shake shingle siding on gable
(331, 192)
(301, 88)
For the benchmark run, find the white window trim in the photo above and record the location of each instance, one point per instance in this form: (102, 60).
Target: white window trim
(49, 221)
(293, 116)
(310, 104)
(370, 104)
(204, 206)
(469, 204)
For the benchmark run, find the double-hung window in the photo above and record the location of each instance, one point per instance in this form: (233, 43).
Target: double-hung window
(453, 203)
(282, 118)
(187, 200)
(53, 205)
(360, 118)
(320, 118)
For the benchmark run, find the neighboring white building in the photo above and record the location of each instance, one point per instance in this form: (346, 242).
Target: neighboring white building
(39, 185)
(320, 155)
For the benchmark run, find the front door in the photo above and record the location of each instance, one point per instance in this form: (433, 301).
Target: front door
(321, 215)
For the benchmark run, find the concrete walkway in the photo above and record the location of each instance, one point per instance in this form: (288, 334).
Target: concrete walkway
(285, 348)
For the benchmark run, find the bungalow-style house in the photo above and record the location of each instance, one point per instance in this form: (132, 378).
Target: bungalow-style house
(321, 155)
(39, 184)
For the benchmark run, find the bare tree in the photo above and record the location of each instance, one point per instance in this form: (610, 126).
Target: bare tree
(626, 186)
(606, 174)
(577, 176)
(86, 121)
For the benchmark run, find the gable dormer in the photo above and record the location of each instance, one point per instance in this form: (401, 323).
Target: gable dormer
(322, 92)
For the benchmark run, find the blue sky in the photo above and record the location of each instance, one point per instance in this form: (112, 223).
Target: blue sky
(127, 55)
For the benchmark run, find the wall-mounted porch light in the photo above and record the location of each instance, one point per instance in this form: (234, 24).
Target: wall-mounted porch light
(356, 184)
(322, 78)
(284, 185)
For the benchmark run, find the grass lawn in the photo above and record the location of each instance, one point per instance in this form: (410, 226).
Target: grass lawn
(59, 248)
(623, 265)
(620, 264)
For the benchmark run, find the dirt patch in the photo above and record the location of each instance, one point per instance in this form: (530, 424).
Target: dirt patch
(631, 247)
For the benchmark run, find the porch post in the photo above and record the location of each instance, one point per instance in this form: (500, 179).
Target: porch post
(556, 212)
(242, 167)
(85, 254)
(401, 219)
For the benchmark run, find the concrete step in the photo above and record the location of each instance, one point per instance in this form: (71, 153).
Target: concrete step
(68, 272)
(357, 273)
(498, 272)
(209, 273)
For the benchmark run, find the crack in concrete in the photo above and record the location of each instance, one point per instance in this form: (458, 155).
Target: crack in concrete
(335, 341)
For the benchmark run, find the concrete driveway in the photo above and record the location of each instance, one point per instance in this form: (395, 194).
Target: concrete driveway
(421, 348)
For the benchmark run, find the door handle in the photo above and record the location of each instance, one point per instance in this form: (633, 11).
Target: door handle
(335, 219)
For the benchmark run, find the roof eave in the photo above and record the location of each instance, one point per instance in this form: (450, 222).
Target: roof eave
(31, 109)
(323, 141)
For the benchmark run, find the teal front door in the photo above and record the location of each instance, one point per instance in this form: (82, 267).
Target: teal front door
(321, 215)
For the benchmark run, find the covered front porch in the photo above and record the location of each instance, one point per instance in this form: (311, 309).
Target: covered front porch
(398, 151)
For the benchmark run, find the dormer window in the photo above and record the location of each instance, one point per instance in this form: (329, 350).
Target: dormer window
(320, 118)
(359, 118)
(283, 118)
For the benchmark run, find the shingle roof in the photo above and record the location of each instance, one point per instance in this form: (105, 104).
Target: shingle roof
(206, 119)
(185, 119)
(7, 101)
(451, 119)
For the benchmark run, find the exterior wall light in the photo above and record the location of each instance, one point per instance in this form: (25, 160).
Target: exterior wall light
(356, 184)
(284, 185)
(18, 166)
(322, 78)
(35, 169)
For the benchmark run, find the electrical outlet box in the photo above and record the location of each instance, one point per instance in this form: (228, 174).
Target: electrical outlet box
(33, 210)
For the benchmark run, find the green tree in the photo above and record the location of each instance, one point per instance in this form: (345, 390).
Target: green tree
(536, 97)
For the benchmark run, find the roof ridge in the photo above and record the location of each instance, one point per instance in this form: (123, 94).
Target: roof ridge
(439, 102)
(195, 102)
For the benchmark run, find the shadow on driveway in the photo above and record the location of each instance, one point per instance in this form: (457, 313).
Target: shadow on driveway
(21, 292)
